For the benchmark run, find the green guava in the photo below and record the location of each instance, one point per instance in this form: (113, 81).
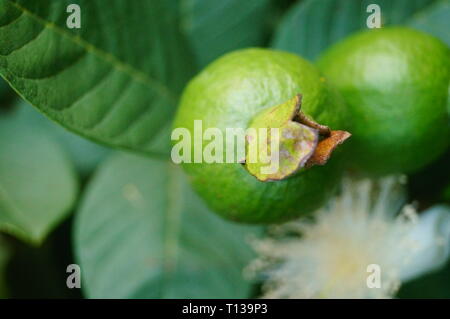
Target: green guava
(245, 88)
(395, 82)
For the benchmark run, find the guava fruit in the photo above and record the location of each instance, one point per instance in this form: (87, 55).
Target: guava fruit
(246, 88)
(395, 82)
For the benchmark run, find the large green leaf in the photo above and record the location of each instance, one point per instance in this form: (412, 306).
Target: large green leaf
(313, 25)
(115, 80)
(216, 27)
(142, 233)
(38, 185)
(434, 20)
(84, 154)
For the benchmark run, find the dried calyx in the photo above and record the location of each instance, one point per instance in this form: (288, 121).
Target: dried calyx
(282, 141)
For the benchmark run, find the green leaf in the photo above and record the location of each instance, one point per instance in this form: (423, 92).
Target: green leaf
(85, 155)
(434, 20)
(38, 185)
(216, 27)
(115, 80)
(142, 233)
(313, 25)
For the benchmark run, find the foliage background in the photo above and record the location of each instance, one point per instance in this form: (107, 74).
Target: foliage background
(131, 221)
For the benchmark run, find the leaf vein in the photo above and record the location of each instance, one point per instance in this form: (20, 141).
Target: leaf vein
(90, 48)
(88, 91)
(12, 21)
(113, 106)
(26, 43)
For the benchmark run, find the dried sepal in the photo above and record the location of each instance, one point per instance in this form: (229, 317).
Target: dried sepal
(281, 141)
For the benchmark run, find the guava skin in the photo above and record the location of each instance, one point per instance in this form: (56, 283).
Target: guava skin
(395, 82)
(228, 94)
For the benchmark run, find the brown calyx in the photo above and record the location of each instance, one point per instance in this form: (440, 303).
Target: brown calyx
(328, 142)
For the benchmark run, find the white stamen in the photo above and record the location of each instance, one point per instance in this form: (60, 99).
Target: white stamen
(329, 257)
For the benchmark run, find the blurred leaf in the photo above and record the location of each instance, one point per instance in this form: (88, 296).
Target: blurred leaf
(216, 27)
(142, 233)
(435, 285)
(434, 20)
(313, 25)
(284, 4)
(38, 185)
(4, 259)
(446, 193)
(115, 80)
(84, 154)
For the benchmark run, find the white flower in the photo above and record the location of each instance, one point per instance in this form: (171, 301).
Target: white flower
(358, 247)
